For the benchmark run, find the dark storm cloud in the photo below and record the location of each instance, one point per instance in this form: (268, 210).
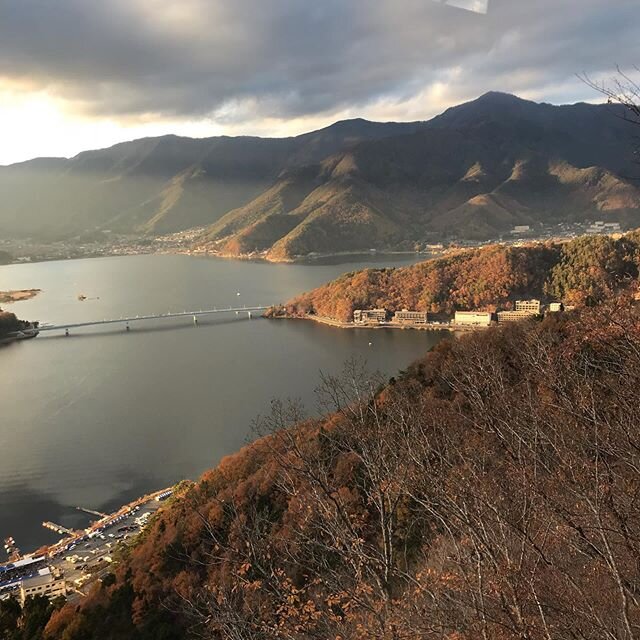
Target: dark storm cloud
(282, 58)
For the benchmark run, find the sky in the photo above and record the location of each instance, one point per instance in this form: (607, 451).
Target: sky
(81, 74)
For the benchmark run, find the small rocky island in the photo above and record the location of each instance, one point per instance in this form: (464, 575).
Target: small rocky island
(8, 297)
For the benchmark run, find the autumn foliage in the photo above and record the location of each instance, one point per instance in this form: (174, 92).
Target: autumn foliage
(491, 491)
(8, 323)
(585, 270)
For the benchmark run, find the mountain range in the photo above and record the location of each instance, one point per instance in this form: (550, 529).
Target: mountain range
(160, 185)
(472, 172)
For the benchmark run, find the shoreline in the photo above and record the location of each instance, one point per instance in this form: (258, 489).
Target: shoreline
(180, 243)
(337, 324)
(316, 259)
(310, 259)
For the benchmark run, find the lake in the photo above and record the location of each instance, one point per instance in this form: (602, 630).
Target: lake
(102, 416)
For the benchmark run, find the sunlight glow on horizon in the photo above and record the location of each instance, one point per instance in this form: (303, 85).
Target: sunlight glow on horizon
(41, 126)
(34, 124)
(203, 68)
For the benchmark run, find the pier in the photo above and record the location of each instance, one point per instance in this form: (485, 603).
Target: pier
(58, 528)
(127, 322)
(92, 512)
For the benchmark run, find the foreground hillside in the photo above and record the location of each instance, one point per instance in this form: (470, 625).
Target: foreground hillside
(583, 271)
(474, 172)
(10, 323)
(488, 492)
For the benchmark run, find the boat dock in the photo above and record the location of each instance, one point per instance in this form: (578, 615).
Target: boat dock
(58, 528)
(92, 512)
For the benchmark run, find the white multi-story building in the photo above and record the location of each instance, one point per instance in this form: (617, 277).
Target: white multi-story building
(365, 316)
(411, 317)
(514, 316)
(473, 318)
(44, 584)
(529, 306)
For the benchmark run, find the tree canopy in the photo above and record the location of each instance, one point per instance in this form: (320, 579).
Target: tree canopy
(582, 271)
(490, 491)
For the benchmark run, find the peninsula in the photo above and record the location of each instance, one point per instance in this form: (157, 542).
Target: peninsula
(473, 287)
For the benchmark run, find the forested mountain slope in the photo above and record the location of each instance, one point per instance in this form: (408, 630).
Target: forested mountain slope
(474, 172)
(163, 184)
(582, 271)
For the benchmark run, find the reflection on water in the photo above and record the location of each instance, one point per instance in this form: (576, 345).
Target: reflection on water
(104, 415)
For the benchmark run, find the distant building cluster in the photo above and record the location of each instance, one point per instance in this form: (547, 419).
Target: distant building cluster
(524, 233)
(601, 227)
(524, 309)
(598, 227)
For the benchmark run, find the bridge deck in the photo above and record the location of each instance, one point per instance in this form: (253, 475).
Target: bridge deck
(161, 316)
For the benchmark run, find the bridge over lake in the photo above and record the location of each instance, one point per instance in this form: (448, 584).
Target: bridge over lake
(127, 322)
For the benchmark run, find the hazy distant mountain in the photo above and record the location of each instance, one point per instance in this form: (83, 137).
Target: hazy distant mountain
(161, 184)
(476, 170)
(472, 172)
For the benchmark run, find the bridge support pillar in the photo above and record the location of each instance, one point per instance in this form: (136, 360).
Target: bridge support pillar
(249, 314)
(195, 320)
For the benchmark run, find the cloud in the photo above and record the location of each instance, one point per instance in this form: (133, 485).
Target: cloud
(479, 6)
(260, 61)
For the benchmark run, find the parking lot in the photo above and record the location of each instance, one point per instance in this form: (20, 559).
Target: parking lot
(88, 557)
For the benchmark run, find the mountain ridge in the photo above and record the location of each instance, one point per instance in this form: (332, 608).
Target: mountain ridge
(471, 178)
(58, 198)
(472, 172)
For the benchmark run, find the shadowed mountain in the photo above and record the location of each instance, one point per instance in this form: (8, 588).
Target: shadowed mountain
(163, 184)
(473, 172)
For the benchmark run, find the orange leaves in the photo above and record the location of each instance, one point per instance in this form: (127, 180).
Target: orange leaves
(490, 491)
(484, 278)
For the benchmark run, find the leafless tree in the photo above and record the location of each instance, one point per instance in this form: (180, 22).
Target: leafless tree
(500, 500)
(624, 91)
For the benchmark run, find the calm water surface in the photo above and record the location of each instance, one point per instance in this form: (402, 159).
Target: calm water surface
(102, 416)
